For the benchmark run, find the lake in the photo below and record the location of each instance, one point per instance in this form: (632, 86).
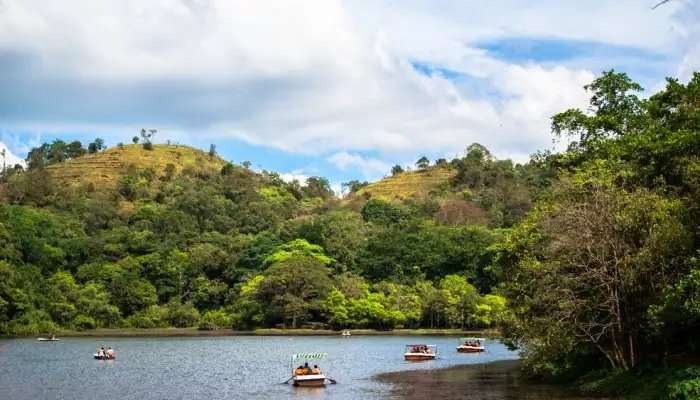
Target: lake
(250, 367)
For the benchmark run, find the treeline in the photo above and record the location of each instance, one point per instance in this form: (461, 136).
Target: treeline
(230, 247)
(604, 272)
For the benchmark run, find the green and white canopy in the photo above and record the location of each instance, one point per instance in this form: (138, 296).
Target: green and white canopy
(309, 356)
(477, 339)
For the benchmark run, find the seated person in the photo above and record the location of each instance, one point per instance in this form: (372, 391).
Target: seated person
(110, 353)
(300, 371)
(316, 370)
(307, 368)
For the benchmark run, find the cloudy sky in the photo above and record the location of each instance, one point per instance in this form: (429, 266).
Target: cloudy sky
(332, 88)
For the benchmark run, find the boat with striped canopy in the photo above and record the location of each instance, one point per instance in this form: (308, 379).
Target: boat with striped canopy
(302, 376)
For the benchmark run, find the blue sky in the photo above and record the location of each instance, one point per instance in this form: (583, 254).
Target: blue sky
(331, 88)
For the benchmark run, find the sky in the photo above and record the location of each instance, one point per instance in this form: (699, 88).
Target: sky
(340, 89)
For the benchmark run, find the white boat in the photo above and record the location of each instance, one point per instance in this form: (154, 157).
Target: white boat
(304, 379)
(51, 339)
(420, 352)
(471, 345)
(346, 333)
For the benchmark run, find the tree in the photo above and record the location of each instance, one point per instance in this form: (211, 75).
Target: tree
(147, 137)
(294, 288)
(96, 146)
(462, 300)
(317, 187)
(396, 169)
(212, 150)
(423, 163)
(135, 139)
(615, 110)
(354, 185)
(598, 270)
(75, 149)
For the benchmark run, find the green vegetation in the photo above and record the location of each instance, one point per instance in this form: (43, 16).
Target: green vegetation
(587, 260)
(603, 273)
(162, 236)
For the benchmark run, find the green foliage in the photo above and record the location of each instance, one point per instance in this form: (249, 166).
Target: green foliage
(298, 248)
(215, 319)
(382, 212)
(605, 268)
(686, 385)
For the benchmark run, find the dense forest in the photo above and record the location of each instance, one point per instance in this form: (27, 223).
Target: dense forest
(214, 244)
(585, 259)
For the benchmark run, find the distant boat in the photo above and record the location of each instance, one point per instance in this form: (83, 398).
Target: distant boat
(50, 339)
(346, 333)
(105, 357)
(420, 352)
(471, 345)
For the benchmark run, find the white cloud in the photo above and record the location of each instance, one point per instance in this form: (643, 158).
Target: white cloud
(313, 77)
(10, 159)
(294, 176)
(370, 168)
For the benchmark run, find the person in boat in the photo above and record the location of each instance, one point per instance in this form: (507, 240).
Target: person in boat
(110, 353)
(101, 352)
(300, 370)
(316, 370)
(307, 368)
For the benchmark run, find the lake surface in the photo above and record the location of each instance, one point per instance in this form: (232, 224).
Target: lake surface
(235, 367)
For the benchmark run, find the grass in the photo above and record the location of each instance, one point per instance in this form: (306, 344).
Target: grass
(414, 184)
(160, 332)
(105, 168)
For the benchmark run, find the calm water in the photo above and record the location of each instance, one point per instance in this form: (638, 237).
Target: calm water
(247, 367)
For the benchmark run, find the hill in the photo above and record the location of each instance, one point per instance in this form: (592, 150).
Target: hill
(105, 168)
(407, 185)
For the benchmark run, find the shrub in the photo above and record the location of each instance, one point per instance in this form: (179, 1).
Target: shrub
(84, 322)
(151, 317)
(687, 385)
(213, 320)
(32, 323)
(182, 315)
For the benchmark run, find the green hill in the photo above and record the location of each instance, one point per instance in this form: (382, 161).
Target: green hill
(105, 168)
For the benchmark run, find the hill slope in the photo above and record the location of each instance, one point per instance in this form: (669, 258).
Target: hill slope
(414, 184)
(105, 168)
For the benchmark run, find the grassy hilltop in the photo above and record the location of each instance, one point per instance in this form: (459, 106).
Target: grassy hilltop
(407, 185)
(105, 168)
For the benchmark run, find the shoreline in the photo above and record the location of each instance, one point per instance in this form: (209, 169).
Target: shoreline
(194, 332)
(494, 380)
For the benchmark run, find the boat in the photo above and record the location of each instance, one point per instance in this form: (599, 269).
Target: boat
(308, 380)
(420, 352)
(346, 333)
(105, 357)
(48, 339)
(471, 345)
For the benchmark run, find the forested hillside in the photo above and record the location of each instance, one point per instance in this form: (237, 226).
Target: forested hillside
(147, 236)
(586, 259)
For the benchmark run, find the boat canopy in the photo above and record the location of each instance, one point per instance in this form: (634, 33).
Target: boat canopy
(309, 356)
(480, 339)
(419, 345)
